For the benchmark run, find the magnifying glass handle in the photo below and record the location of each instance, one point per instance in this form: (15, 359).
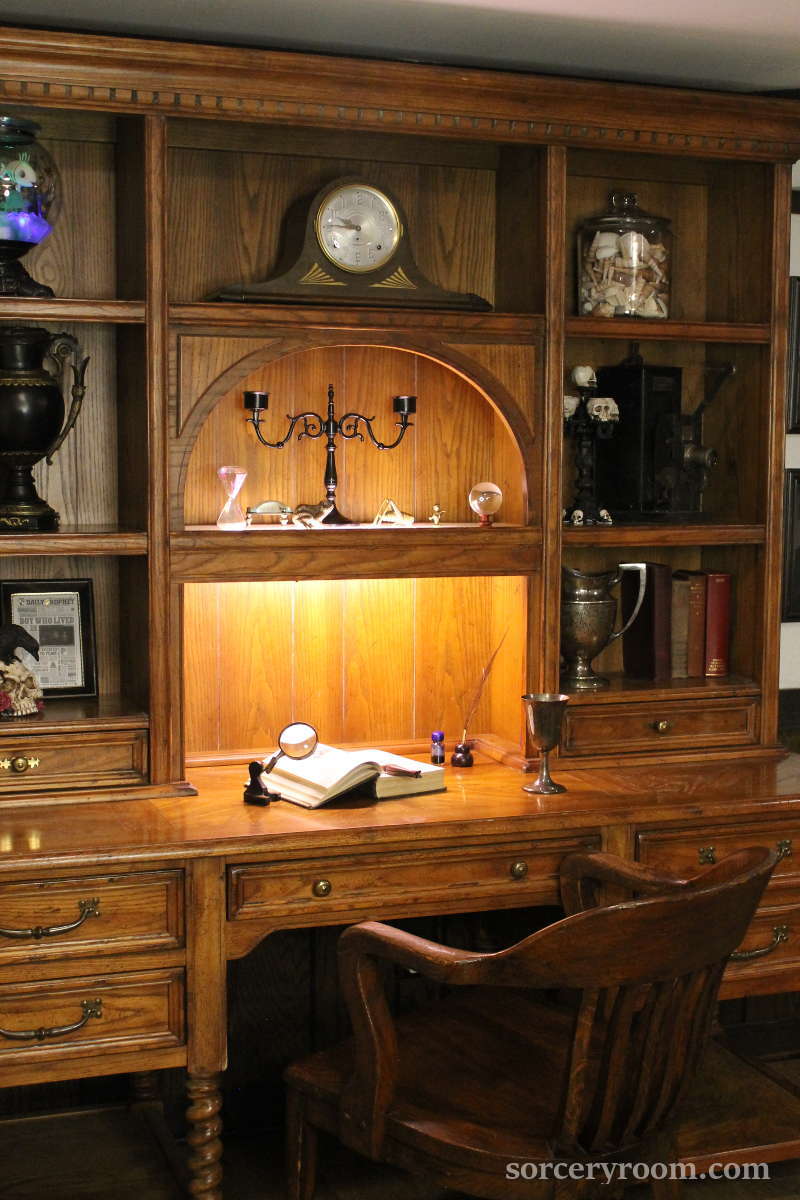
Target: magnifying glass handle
(268, 766)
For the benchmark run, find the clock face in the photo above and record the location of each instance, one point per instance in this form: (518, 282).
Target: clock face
(357, 227)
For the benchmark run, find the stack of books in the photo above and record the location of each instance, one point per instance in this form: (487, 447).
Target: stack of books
(683, 627)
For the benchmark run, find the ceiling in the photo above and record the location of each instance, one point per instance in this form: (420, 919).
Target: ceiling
(737, 45)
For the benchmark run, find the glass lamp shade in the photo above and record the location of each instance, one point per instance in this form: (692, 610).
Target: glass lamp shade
(29, 201)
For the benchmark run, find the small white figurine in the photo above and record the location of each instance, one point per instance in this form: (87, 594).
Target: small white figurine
(437, 513)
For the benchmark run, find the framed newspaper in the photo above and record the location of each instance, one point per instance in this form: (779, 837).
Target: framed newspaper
(59, 613)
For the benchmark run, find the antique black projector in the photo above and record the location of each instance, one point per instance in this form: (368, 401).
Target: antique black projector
(656, 467)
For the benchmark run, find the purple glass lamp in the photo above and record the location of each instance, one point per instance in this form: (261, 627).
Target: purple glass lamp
(29, 195)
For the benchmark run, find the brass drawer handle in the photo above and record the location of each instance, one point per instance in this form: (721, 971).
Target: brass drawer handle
(86, 909)
(780, 933)
(19, 764)
(707, 854)
(519, 869)
(322, 887)
(662, 726)
(89, 1008)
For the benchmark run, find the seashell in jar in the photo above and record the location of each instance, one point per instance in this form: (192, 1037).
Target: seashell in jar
(635, 247)
(649, 307)
(658, 251)
(603, 309)
(604, 245)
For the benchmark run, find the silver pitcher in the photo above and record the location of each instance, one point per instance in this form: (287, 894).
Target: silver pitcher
(588, 612)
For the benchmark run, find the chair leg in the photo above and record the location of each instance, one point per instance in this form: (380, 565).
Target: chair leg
(301, 1150)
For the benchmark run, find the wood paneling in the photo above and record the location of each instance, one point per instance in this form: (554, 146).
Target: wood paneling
(438, 461)
(450, 212)
(364, 660)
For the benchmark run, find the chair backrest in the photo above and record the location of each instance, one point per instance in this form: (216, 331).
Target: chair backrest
(647, 973)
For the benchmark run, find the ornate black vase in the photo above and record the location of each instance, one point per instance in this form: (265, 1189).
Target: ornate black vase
(31, 420)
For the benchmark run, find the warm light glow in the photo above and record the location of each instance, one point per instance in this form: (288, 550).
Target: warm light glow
(363, 660)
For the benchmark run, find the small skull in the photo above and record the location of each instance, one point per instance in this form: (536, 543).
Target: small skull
(605, 517)
(584, 377)
(577, 516)
(603, 409)
(570, 406)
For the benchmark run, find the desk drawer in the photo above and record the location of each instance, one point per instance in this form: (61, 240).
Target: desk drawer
(136, 1011)
(500, 875)
(686, 853)
(95, 914)
(773, 938)
(32, 762)
(607, 729)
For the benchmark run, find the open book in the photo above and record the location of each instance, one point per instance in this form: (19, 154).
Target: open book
(330, 772)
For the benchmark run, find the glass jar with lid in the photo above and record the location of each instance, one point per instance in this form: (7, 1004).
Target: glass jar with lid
(29, 194)
(624, 260)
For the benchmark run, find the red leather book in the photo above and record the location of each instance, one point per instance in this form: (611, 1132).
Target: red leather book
(718, 622)
(696, 632)
(646, 646)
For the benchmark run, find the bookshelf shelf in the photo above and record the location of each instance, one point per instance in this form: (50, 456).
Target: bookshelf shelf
(641, 330)
(93, 541)
(623, 690)
(206, 554)
(692, 534)
(114, 312)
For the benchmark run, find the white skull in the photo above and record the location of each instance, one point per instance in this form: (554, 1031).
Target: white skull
(584, 376)
(577, 516)
(603, 408)
(570, 405)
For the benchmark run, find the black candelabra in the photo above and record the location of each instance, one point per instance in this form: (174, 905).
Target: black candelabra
(330, 427)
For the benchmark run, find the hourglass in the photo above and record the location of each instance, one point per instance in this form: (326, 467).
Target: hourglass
(232, 517)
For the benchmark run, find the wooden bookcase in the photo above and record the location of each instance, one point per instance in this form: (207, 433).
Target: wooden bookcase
(179, 164)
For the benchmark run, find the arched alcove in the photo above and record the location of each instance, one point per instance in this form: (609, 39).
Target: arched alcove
(366, 660)
(461, 434)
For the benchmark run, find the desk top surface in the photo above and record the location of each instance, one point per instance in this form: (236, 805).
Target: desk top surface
(484, 802)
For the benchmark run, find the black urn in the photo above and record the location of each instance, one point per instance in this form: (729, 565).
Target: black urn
(31, 420)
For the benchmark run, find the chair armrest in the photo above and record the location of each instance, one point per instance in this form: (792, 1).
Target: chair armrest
(580, 873)
(368, 1092)
(443, 964)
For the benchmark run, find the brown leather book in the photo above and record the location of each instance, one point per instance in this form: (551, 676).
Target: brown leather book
(718, 622)
(696, 625)
(646, 646)
(680, 625)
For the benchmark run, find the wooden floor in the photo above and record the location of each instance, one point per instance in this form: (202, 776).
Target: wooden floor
(113, 1155)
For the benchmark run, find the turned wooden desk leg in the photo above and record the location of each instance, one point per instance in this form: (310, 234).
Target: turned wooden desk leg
(206, 1023)
(203, 1135)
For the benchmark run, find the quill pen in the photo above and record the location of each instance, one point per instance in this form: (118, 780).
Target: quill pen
(476, 699)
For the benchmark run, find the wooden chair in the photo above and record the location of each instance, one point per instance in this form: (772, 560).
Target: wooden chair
(497, 1073)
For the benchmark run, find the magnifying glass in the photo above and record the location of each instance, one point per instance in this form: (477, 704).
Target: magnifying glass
(297, 740)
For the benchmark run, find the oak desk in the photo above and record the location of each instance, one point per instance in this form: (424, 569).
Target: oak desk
(118, 918)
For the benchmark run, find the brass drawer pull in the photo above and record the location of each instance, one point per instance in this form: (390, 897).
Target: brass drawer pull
(86, 909)
(707, 854)
(662, 726)
(519, 869)
(89, 1008)
(322, 887)
(780, 933)
(19, 764)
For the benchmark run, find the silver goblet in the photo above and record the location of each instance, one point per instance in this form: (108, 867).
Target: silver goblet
(545, 711)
